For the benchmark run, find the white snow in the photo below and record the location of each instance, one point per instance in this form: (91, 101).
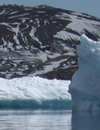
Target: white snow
(63, 16)
(17, 16)
(66, 35)
(3, 12)
(35, 88)
(32, 32)
(85, 86)
(50, 67)
(41, 11)
(14, 12)
(77, 24)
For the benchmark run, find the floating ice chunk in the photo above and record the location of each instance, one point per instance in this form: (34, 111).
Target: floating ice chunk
(34, 92)
(85, 86)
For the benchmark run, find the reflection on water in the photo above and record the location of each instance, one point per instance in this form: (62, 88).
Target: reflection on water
(47, 120)
(85, 121)
(35, 120)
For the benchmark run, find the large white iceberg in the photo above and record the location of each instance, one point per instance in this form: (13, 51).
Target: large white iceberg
(85, 86)
(34, 92)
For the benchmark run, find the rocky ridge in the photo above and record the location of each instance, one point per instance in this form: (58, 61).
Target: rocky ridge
(42, 40)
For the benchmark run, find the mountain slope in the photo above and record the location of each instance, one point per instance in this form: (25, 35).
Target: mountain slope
(42, 40)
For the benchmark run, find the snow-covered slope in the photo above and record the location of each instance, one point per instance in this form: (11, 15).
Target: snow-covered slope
(42, 40)
(85, 86)
(34, 92)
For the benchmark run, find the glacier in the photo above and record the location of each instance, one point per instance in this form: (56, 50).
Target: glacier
(34, 92)
(85, 85)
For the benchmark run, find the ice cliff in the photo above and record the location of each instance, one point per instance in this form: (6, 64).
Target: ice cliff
(34, 93)
(85, 86)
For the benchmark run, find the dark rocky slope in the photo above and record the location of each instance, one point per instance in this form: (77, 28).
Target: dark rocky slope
(42, 40)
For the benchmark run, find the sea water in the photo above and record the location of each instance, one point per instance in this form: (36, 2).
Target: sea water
(48, 120)
(35, 119)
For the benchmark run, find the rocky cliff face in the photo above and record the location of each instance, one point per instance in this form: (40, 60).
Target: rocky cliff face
(42, 40)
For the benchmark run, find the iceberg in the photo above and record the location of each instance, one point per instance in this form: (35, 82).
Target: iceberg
(34, 92)
(87, 121)
(85, 85)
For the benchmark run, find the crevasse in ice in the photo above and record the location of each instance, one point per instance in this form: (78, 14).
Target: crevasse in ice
(85, 85)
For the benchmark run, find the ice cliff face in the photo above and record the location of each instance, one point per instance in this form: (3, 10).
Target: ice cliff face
(34, 93)
(41, 41)
(85, 86)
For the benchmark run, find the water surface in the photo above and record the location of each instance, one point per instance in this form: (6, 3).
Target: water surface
(48, 120)
(35, 120)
